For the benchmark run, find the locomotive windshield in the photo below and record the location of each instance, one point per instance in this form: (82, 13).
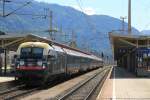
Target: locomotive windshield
(31, 52)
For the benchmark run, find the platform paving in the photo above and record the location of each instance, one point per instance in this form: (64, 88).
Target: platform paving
(6, 79)
(122, 85)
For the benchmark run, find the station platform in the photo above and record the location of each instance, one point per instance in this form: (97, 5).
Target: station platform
(6, 79)
(122, 85)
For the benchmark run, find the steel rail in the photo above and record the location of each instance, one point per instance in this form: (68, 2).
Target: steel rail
(11, 97)
(11, 89)
(100, 83)
(80, 85)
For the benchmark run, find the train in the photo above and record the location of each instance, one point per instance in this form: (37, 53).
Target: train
(39, 61)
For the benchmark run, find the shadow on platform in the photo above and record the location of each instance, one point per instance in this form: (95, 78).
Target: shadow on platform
(121, 73)
(7, 74)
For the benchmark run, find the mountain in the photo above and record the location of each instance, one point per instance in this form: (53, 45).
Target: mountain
(90, 31)
(145, 32)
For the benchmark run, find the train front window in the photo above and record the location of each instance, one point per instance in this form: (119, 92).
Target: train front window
(34, 52)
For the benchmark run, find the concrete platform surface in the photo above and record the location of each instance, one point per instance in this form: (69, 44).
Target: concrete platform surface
(122, 85)
(59, 89)
(6, 79)
(107, 86)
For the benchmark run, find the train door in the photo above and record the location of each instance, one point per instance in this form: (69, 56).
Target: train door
(63, 62)
(49, 64)
(52, 61)
(59, 63)
(65, 67)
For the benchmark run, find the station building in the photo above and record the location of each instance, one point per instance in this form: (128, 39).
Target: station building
(131, 52)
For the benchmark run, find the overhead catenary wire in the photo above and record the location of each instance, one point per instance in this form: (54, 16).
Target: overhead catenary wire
(80, 4)
(4, 14)
(91, 24)
(15, 12)
(88, 20)
(17, 9)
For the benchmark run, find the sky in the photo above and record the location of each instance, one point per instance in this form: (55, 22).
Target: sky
(114, 8)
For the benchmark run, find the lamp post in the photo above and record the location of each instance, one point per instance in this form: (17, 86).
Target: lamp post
(129, 17)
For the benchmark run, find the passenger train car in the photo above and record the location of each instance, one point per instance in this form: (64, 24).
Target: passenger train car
(43, 61)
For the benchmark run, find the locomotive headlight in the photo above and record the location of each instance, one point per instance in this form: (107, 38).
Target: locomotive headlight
(18, 66)
(44, 66)
(39, 63)
(21, 63)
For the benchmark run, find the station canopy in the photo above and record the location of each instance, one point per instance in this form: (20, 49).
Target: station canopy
(123, 44)
(11, 42)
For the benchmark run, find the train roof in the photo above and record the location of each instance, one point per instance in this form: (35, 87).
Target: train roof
(74, 52)
(37, 44)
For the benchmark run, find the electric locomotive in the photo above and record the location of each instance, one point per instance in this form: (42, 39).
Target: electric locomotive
(42, 61)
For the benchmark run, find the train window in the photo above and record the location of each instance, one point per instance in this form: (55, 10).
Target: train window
(77, 59)
(31, 52)
(74, 59)
(25, 50)
(70, 59)
(83, 60)
(50, 56)
(144, 55)
(54, 54)
(37, 50)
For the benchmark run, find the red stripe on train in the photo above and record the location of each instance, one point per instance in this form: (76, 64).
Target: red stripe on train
(30, 68)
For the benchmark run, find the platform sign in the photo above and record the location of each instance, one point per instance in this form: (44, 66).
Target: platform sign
(144, 50)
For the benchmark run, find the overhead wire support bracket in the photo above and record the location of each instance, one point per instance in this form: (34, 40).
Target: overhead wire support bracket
(12, 12)
(3, 6)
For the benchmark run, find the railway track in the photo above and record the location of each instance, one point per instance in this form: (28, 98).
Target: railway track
(6, 85)
(15, 92)
(84, 90)
(20, 90)
(11, 89)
